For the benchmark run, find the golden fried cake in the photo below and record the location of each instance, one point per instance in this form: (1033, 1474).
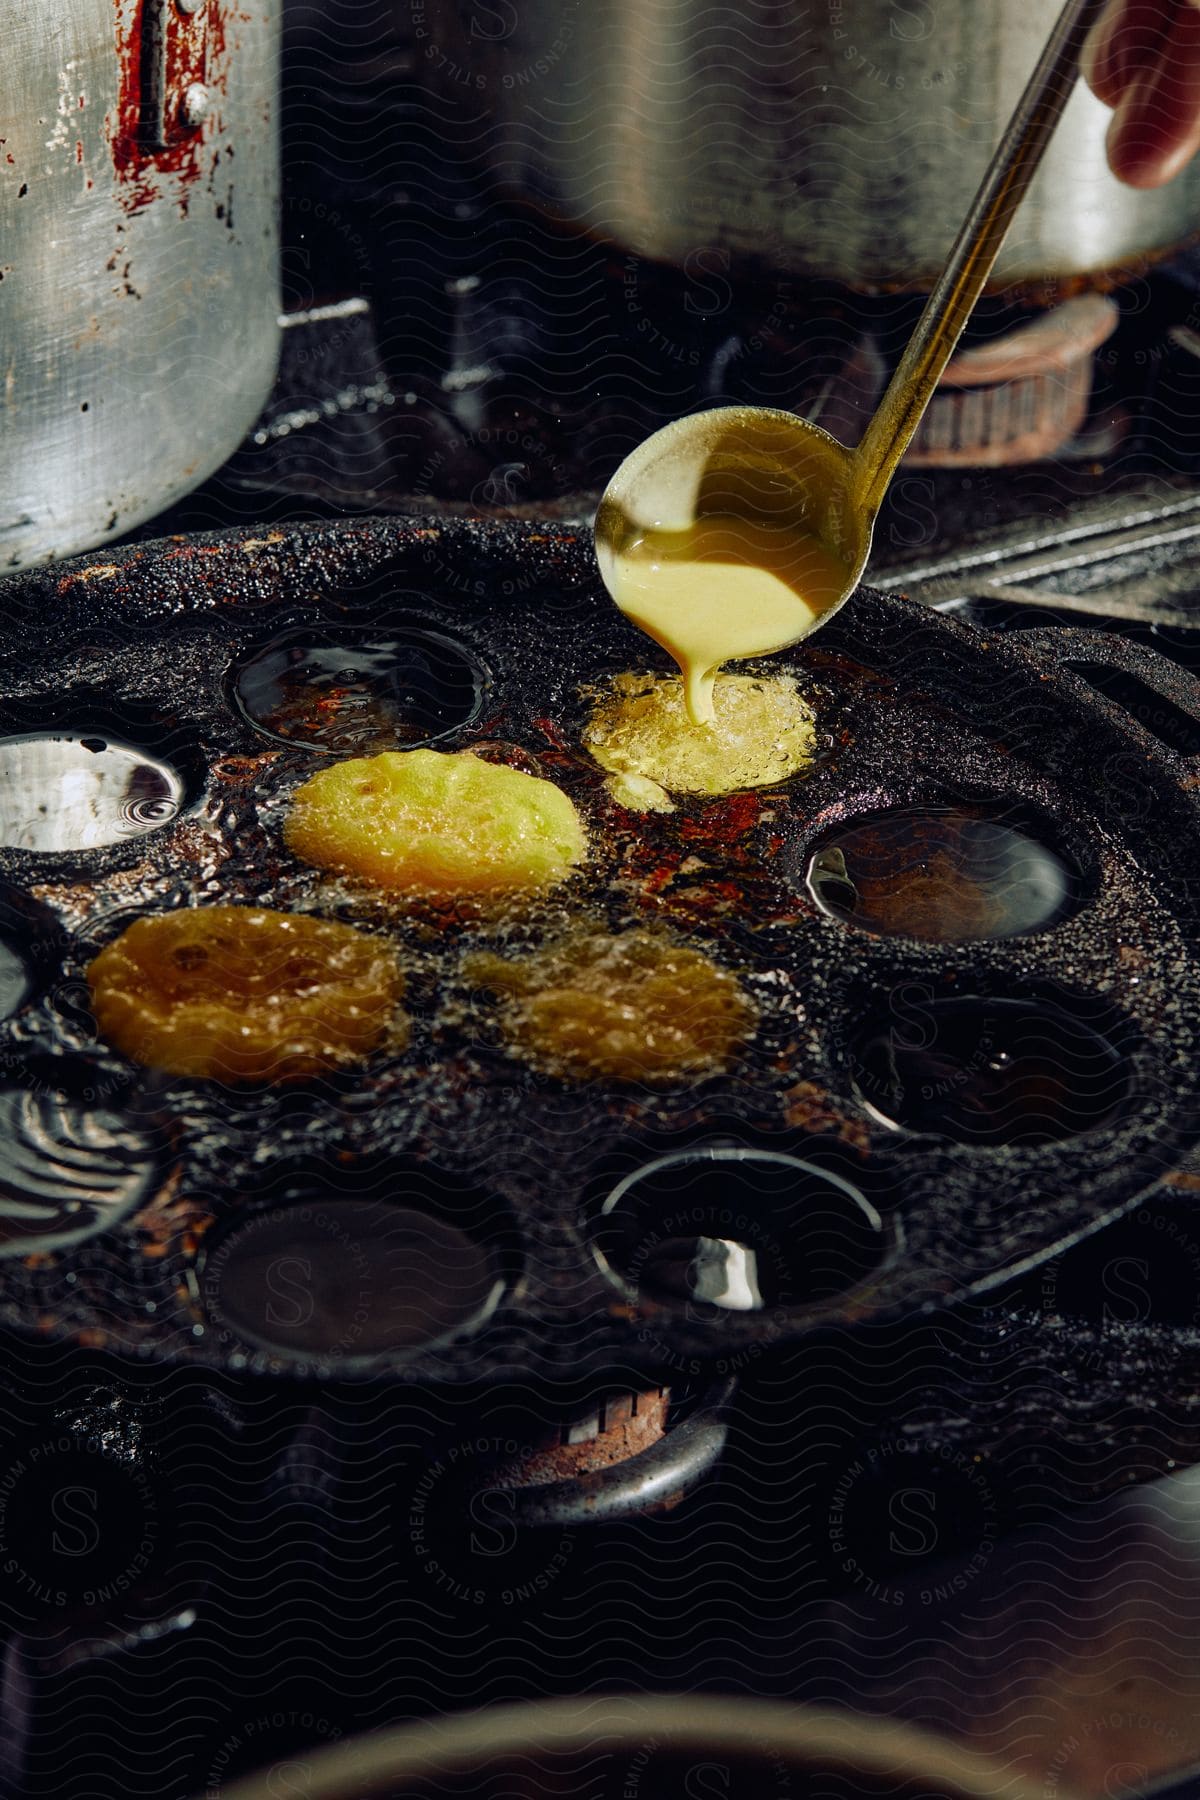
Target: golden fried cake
(240, 993)
(633, 1008)
(437, 822)
(762, 731)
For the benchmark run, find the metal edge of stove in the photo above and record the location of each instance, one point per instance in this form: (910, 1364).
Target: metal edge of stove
(1109, 562)
(1023, 562)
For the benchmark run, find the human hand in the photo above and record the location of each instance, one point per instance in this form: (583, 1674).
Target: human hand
(1142, 58)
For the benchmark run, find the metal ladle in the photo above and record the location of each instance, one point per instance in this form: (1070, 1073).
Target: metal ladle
(761, 465)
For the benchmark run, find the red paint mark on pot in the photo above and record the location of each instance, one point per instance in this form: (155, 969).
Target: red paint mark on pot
(196, 52)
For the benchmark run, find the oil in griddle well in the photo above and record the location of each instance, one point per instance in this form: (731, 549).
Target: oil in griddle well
(15, 982)
(942, 874)
(988, 1072)
(71, 1169)
(61, 792)
(738, 1230)
(353, 692)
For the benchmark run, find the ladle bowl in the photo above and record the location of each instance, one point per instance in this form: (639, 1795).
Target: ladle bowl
(751, 462)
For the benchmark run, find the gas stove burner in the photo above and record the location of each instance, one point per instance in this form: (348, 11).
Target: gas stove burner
(1017, 397)
(618, 1427)
(632, 1453)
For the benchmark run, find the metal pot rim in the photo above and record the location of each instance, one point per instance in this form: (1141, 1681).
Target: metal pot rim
(376, 1763)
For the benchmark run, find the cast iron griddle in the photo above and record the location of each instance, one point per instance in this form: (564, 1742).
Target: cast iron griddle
(149, 1191)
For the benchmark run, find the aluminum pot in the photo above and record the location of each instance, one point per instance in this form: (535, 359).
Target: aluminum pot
(138, 253)
(648, 1745)
(833, 138)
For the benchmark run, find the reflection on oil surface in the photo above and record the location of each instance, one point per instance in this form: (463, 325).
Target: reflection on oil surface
(940, 873)
(360, 691)
(990, 1072)
(15, 983)
(718, 1270)
(738, 1230)
(61, 792)
(69, 1170)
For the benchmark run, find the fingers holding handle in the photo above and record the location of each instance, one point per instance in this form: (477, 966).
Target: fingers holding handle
(1143, 60)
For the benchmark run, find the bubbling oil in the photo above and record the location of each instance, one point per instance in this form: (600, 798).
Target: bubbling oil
(725, 588)
(634, 1007)
(762, 731)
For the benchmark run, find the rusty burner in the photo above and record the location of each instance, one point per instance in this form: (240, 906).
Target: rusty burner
(1017, 390)
(1018, 397)
(918, 1114)
(629, 1452)
(621, 1426)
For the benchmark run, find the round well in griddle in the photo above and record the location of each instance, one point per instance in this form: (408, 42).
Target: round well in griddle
(31, 946)
(15, 984)
(74, 1164)
(1144, 1269)
(723, 1230)
(344, 692)
(346, 1275)
(946, 874)
(660, 1746)
(651, 1767)
(66, 792)
(992, 1071)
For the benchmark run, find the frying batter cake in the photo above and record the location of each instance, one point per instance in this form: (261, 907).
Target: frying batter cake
(761, 732)
(243, 994)
(436, 822)
(634, 1007)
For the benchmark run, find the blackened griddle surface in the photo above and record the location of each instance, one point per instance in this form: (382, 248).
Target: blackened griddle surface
(914, 708)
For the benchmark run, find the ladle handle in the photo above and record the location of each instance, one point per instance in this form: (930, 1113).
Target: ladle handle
(961, 282)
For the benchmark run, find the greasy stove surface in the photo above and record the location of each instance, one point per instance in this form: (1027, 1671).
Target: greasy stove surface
(1087, 1027)
(205, 1577)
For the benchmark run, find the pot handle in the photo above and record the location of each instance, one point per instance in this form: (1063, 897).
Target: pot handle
(174, 55)
(1087, 657)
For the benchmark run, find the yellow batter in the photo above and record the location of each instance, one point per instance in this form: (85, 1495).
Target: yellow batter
(637, 1007)
(722, 589)
(762, 730)
(243, 993)
(444, 823)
